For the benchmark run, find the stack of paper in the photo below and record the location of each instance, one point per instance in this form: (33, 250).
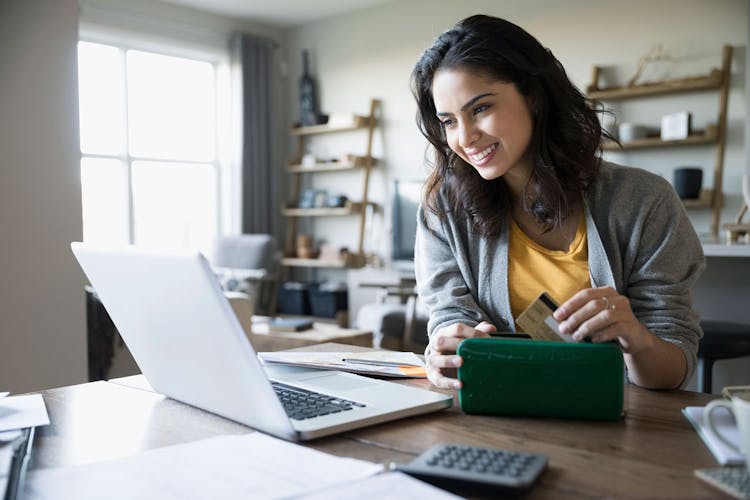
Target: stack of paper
(728, 428)
(381, 363)
(247, 466)
(19, 412)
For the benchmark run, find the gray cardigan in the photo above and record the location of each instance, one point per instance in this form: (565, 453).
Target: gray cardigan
(640, 241)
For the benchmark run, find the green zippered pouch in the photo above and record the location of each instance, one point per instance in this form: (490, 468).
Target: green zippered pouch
(539, 378)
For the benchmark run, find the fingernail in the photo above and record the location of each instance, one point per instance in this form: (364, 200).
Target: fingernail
(457, 362)
(564, 327)
(456, 384)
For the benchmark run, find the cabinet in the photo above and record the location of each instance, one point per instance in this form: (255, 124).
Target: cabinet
(356, 126)
(718, 81)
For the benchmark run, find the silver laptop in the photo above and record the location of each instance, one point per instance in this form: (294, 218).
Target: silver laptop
(170, 310)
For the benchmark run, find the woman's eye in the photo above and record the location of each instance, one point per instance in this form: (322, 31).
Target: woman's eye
(448, 122)
(480, 108)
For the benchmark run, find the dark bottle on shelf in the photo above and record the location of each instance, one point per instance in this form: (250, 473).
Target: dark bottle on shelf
(308, 112)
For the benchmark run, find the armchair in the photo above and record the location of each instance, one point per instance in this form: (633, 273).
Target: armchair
(249, 263)
(396, 318)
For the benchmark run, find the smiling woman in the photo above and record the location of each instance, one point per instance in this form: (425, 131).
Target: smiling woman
(519, 203)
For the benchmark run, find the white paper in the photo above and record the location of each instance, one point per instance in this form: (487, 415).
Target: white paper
(247, 466)
(335, 361)
(393, 485)
(17, 412)
(728, 428)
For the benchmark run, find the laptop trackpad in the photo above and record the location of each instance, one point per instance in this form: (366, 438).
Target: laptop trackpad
(338, 382)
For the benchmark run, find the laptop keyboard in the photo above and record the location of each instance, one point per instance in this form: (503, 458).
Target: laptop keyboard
(301, 404)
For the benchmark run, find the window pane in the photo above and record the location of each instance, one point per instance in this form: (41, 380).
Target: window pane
(174, 205)
(100, 97)
(104, 188)
(171, 107)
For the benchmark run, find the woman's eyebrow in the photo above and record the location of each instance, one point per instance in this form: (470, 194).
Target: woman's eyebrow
(468, 104)
(475, 99)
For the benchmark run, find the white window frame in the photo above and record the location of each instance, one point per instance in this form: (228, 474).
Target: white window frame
(227, 175)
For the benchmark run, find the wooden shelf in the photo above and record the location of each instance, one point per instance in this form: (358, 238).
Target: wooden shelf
(704, 200)
(360, 122)
(716, 135)
(711, 81)
(696, 138)
(356, 163)
(349, 209)
(362, 162)
(352, 262)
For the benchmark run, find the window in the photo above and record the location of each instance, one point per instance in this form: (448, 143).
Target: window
(150, 169)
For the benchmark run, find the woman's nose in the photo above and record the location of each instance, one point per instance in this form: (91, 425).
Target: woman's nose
(468, 133)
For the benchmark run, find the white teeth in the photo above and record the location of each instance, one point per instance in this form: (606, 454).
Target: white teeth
(483, 154)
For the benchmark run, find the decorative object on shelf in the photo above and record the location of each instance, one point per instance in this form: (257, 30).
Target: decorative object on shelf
(687, 182)
(655, 54)
(308, 107)
(333, 253)
(321, 198)
(739, 232)
(306, 247)
(309, 160)
(337, 200)
(307, 199)
(676, 126)
(628, 132)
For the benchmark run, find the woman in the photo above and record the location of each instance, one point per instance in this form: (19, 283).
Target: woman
(519, 203)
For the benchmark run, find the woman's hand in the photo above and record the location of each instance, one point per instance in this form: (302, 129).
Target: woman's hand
(442, 360)
(603, 315)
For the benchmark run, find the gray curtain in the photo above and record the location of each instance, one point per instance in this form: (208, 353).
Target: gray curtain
(254, 56)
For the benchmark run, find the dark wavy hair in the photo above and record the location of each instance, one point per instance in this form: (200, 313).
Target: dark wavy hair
(566, 134)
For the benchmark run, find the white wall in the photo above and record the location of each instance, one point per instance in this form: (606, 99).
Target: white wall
(42, 305)
(372, 52)
(42, 328)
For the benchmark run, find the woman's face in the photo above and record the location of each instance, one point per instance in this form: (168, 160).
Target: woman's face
(487, 123)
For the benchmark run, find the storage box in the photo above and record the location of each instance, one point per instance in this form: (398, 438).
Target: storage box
(294, 298)
(326, 300)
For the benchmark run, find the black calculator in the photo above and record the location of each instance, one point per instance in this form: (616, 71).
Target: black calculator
(459, 467)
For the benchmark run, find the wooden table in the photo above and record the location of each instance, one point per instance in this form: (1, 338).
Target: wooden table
(649, 454)
(263, 340)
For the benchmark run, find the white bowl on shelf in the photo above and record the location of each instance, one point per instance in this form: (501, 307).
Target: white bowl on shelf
(628, 132)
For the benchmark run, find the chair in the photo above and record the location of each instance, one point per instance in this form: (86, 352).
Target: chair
(401, 324)
(721, 340)
(249, 263)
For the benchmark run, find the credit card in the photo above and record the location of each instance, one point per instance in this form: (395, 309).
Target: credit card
(537, 320)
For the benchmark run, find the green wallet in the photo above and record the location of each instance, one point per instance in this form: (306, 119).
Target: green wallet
(539, 378)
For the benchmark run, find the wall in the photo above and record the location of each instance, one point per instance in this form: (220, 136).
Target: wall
(42, 336)
(43, 331)
(371, 53)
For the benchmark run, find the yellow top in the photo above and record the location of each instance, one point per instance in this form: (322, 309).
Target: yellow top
(533, 269)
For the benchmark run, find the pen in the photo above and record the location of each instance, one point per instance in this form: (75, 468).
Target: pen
(376, 362)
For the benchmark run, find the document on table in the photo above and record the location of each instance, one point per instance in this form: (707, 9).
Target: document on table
(726, 424)
(17, 412)
(393, 485)
(243, 466)
(381, 363)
